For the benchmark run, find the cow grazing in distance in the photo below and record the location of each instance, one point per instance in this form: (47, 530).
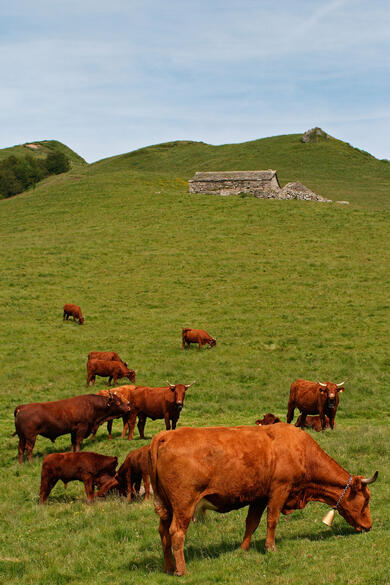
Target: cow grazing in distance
(107, 356)
(123, 393)
(199, 336)
(133, 470)
(226, 468)
(155, 403)
(312, 422)
(320, 398)
(77, 415)
(90, 468)
(112, 369)
(73, 311)
(268, 419)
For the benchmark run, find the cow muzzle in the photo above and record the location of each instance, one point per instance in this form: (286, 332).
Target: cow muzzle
(179, 406)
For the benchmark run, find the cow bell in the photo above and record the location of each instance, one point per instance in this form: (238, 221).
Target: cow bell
(328, 518)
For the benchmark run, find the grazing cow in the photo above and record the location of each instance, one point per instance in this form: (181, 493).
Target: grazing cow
(312, 422)
(77, 416)
(73, 311)
(199, 336)
(226, 468)
(268, 419)
(90, 468)
(107, 356)
(134, 469)
(122, 392)
(113, 370)
(155, 403)
(314, 398)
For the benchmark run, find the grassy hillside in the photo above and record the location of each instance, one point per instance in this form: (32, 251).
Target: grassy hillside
(290, 289)
(330, 167)
(41, 149)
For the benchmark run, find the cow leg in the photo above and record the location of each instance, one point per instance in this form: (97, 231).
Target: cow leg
(21, 448)
(130, 425)
(129, 487)
(178, 531)
(331, 422)
(29, 448)
(275, 505)
(109, 381)
(290, 411)
(146, 480)
(81, 433)
(303, 420)
(89, 488)
(253, 518)
(166, 543)
(73, 441)
(47, 484)
(167, 421)
(141, 425)
(109, 428)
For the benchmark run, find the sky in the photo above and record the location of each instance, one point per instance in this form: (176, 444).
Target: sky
(111, 76)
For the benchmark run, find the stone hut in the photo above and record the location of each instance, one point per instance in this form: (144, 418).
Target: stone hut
(258, 183)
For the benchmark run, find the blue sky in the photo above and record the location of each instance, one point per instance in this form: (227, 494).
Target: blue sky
(107, 77)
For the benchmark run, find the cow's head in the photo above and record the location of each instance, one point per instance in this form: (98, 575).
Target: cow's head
(354, 507)
(329, 393)
(268, 419)
(116, 404)
(212, 342)
(179, 391)
(130, 374)
(81, 320)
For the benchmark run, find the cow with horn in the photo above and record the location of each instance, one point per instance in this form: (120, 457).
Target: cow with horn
(277, 467)
(314, 398)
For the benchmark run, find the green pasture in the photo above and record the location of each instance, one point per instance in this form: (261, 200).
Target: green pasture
(289, 289)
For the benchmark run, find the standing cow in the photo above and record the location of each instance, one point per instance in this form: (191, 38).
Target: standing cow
(155, 403)
(314, 398)
(73, 311)
(199, 336)
(277, 467)
(77, 415)
(91, 468)
(112, 369)
(133, 470)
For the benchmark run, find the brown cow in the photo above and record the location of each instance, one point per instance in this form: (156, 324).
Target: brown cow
(226, 468)
(268, 419)
(113, 370)
(107, 356)
(123, 393)
(134, 469)
(73, 311)
(90, 468)
(314, 398)
(155, 403)
(77, 416)
(199, 336)
(312, 422)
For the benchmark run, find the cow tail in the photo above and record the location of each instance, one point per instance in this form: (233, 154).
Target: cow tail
(160, 505)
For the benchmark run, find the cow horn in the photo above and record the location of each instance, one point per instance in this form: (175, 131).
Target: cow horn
(321, 384)
(341, 384)
(366, 481)
(169, 384)
(188, 385)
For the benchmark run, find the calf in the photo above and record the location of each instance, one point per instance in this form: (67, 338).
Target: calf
(314, 398)
(268, 419)
(123, 393)
(155, 403)
(90, 468)
(112, 369)
(199, 336)
(312, 422)
(134, 469)
(107, 356)
(77, 416)
(73, 311)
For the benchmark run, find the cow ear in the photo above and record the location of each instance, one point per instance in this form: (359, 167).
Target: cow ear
(172, 388)
(340, 390)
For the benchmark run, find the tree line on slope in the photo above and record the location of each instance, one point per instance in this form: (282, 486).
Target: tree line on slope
(18, 174)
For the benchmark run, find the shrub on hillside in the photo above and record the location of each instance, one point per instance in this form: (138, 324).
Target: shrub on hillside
(18, 174)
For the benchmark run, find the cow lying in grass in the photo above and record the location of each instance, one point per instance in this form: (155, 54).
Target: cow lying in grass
(90, 468)
(312, 422)
(268, 419)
